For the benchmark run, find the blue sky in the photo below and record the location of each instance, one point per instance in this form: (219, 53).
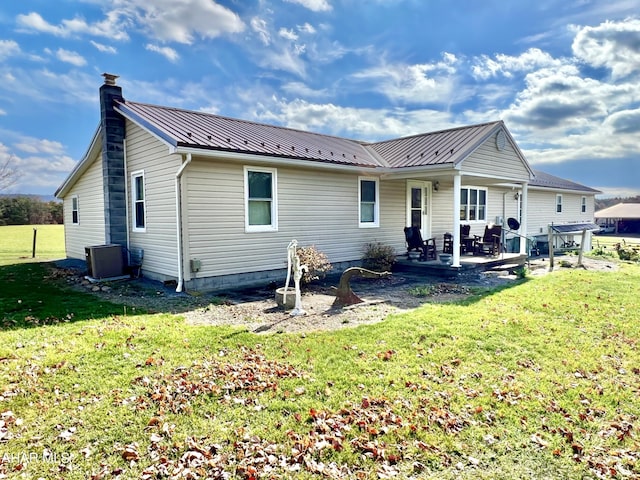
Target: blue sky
(563, 74)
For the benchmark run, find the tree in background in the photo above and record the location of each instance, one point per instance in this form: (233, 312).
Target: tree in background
(8, 175)
(28, 210)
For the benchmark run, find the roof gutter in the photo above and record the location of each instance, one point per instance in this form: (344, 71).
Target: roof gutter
(285, 161)
(179, 174)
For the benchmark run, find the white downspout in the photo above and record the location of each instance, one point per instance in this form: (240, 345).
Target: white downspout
(179, 221)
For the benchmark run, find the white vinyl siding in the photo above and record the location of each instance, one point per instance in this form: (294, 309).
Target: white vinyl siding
(88, 191)
(488, 160)
(369, 211)
(158, 241)
(542, 207)
(316, 207)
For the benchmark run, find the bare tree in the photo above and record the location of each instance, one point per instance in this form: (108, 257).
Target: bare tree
(8, 174)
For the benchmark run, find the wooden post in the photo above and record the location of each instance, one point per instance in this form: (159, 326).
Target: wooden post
(550, 247)
(584, 236)
(33, 250)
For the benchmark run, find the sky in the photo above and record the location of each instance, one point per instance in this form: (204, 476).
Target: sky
(564, 75)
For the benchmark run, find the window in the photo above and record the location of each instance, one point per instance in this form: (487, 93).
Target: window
(261, 209)
(583, 207)
(473, 204)
(75, 219)
(558, 203)
(138, 202)
(369, 202)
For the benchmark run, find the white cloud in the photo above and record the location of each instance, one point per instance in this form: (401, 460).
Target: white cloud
(367, 124)
(612, 45)
(415, 84)
(167, 52)
(485, 67)
(306, 28)
(288, 34)
(103, 48)
(39, 145)
(46, 86)
(181, 21)
(164, 20)
(2, 112)
(73, 58)
(8, 48)
(259, 26)
(44, 166)
(313, 5)
(110, 27)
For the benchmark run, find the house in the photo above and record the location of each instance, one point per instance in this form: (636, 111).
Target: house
(620, 218)
(213, 202)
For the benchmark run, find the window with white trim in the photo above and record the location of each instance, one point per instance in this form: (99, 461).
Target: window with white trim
(261, 201)
(473, 204)
(558, 203)
(138, 202)
(75, 210)
(369, 199)
(583, 205)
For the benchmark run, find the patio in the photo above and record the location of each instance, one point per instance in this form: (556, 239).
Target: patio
(468, 264)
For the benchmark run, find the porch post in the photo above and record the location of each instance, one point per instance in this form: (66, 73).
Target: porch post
(523, 224)
(457, 183)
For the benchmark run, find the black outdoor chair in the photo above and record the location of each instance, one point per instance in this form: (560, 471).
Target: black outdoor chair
(491, 242)
(427, 248)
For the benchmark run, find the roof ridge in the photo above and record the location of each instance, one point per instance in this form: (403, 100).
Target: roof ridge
(437, 132)
(241, 120)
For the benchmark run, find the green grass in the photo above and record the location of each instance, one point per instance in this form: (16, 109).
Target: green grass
(16, 243)
(541, 380)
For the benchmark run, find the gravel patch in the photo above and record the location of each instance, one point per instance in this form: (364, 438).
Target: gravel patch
(256, 309)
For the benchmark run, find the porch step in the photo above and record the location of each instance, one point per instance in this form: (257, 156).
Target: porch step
(506, 267)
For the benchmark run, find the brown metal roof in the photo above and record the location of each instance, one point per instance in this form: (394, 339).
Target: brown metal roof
(543, 179)
(185, 128)
(434, 148)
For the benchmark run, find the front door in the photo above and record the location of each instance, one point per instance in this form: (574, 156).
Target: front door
(419, 206)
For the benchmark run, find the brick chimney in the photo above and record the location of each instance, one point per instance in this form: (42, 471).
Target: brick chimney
(113, 171)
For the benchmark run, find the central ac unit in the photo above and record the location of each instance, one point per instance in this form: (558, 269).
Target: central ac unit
(104, 261)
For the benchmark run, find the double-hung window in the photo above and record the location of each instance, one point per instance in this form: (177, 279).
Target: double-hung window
(558, 203)
(261, 205)
(473, 204)
(75, 210)
(368, 193)
(583, 205)
(138, 202)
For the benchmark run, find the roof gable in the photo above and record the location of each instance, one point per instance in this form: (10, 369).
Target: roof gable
(434, 148)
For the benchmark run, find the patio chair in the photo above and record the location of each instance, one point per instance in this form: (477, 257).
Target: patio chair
(491, 242)
(427, 248)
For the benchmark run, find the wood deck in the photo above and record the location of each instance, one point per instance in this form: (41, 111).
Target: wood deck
(468, 264)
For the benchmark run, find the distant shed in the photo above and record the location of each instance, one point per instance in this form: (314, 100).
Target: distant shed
(623, 217)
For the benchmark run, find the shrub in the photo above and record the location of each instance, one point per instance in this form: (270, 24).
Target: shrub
(378, 257)
(626, 252)
(316, 261)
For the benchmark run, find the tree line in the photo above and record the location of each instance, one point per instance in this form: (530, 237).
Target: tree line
(29, 210)
(602, 203)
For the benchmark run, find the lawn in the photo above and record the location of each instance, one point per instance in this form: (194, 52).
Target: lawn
(539, 380)
(16, 243)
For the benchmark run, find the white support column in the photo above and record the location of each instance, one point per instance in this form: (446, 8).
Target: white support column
(457, 183)
(523, 223)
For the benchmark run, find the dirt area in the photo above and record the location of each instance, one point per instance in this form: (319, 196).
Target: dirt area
(257, 311)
